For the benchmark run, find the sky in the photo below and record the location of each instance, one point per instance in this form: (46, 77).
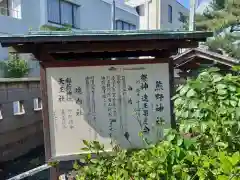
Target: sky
(184, 2)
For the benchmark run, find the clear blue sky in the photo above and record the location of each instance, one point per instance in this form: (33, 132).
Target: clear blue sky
(184, 2)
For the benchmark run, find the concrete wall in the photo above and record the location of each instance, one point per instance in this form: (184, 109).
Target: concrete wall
(19, 133)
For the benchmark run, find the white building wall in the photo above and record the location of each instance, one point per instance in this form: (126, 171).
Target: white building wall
(177, 8)
(158, 14)
(96, 14)
(92, 15)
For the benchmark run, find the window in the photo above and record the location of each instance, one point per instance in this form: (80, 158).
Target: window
(18, 108)
(141, 10)
(15, 8)
(11, 8)
(63, 12)
(182, 18)
(37, 103)
(169, 13)
(122, 25)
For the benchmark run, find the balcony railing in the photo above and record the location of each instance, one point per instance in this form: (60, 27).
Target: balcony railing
(10, 12)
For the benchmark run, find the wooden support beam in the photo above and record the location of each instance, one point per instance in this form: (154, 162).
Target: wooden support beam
(117, 46)
(22, 49)
(42, 55)
(74, 56)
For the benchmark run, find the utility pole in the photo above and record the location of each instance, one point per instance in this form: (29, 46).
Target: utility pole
(192, 15)
(113, 15)
(146, 5)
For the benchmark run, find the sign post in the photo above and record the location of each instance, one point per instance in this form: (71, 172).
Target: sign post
(88, 96)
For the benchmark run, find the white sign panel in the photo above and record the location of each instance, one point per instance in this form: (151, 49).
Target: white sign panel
(106, 103)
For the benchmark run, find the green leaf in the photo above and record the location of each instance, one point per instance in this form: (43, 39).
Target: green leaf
(222, 91)
(177, 169)
(175, 97)
(222, 97)
(191, 93)
(188, 142)
(238, 112)
(203, 127)
(179, 88)
(226, 166)
(235, 159)
(213, 69)
(233, 103)
(178, 101)
(170, 137)
(153, 175)
(206, 163)
(217, 78)
(179, 141)
(193, 104)
(232, 88)
(89, 156)
(222, 144)
(97, 145)
(221, 86)
(85, 143)
(201, 173)
(184, 90)
(178, 151)
(85, 149)
(76, 166)
(223, 177)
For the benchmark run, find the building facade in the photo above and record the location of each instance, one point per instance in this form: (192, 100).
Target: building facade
(20, 16)
(160, 14)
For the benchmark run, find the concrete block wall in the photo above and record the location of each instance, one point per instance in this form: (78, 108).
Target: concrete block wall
(19, 133)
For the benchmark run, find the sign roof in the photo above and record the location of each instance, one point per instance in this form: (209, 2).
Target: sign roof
(103, 35)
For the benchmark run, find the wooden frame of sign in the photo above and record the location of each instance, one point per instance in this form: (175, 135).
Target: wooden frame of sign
(161, 111)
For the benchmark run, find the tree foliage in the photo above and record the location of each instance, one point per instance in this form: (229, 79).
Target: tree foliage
(226, 44)
(206, 144)
(222, 14)
(218, 4)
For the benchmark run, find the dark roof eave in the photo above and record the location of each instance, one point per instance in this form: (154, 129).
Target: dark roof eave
(61, 37)
(197, 52)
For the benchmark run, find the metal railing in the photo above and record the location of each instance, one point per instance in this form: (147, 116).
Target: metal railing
(10, 12)
(31, 172)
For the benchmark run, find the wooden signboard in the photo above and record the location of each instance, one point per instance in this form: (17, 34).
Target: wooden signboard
(107, 103)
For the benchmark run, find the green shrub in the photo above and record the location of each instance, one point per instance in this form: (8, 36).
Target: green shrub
(210, 107)
(16, 68)
(205, 145)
